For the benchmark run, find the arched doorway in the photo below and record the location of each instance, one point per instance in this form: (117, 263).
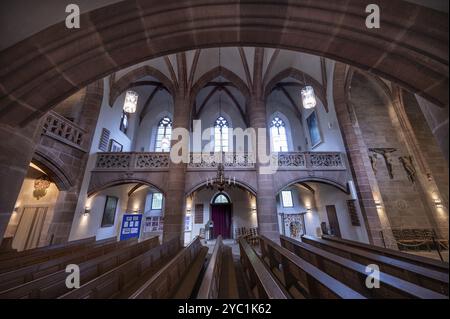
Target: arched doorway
(221, 213)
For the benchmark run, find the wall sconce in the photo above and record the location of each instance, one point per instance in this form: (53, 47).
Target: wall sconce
(16, 209)
(253, 208)
(308, 210)
(438, 203)
(87, 211)
(136, 211)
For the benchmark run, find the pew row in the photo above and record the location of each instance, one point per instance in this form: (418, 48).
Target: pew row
(262, 283)
(219, 279)
(431, 279)
(354, 275)
(25, 274)
(43, 254)
(300, 278)
(54, 285)
(430, 263)
(121, 281)
(178, 277)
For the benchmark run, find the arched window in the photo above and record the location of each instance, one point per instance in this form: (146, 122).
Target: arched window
(278, 135)
(221, 199)
(163, 135)
(221, 135)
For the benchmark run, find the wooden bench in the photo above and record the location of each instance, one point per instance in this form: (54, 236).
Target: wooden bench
(431, 279)
(54, 285)
(429, 263)
(300, 278)
(5, 255)
(176, 279)
(262, 284)
(42, 254)
(123, 280)
(354, 275)
(219, 278)
(22, 275)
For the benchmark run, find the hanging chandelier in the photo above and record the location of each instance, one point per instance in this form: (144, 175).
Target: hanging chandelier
(308, 95)
(220, 181)
(131, 99)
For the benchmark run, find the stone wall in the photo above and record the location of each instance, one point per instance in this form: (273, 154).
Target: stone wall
(402, 200)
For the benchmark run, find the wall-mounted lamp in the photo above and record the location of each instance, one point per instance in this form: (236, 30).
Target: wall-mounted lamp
(308, 210)
(253, 208)
(438, 203)
(87, 211)
(16, 209)
(136, 211)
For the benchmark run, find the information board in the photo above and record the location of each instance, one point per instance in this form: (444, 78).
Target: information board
(131, 226)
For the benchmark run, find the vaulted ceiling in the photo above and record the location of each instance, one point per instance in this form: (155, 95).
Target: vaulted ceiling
(226, 74)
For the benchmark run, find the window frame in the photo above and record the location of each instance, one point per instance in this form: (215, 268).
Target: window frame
(165, 127)
(153, 199)
(220, 124)
(104, 223)
(124, 128)
(275, 124)
(291, 199)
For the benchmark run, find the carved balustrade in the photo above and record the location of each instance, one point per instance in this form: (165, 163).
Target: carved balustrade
(203, 161)
(63, 130)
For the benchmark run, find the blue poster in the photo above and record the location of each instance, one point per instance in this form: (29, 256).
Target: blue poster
(131, 226)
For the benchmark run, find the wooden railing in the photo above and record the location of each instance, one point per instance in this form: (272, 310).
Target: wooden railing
(427, 278)
(65, 131)
(206, 161)
(178, 277)
(209, 288)
(14, 260)
(262, 284)
(410, 258)
(354, 274)
(299, 277)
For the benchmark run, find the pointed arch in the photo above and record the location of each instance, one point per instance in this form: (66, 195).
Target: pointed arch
(301, 77)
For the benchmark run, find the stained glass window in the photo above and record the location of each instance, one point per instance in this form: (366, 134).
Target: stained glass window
(163, 135)
(221, 135)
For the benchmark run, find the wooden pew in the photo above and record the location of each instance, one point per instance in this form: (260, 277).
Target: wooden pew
(121, 281)
(354, 274)
(262, 284)
(431, 279)
(9, 254)
(22, 275)
(219, 278)
(54, 285)
(176, 279)
(300, 278)
(47, 253)
(430, 263)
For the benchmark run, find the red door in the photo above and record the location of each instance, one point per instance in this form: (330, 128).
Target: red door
(221, 217)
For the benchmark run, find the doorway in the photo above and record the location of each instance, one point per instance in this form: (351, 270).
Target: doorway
(221, 208)
(333, 220)
(30, 227)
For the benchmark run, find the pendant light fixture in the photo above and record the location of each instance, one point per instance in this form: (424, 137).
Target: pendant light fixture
(308, 96)
(131, 99)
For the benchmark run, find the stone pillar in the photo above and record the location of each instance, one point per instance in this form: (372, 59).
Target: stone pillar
(376, 225)
(16, 150)
(174, 198)
(266, 204)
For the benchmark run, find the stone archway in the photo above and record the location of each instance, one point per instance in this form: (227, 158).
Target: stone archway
(42, 70)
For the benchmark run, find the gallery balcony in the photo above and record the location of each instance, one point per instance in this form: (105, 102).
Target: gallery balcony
(152, 168)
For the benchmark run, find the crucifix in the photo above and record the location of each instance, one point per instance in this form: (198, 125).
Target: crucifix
(386, 153)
